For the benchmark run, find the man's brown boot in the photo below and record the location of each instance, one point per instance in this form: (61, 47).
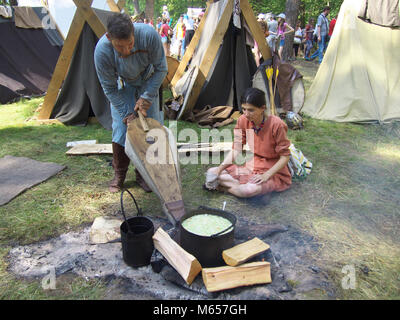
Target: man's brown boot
(120, 164)
(140, 181)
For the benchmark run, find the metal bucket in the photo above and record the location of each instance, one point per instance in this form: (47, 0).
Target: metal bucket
(208, 249)
(136, 237)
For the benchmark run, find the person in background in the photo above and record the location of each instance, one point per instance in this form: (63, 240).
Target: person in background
(322, 34)
(180, 34)
(130, 65)
(267, 138)
(272, 31)
(309, 39)
(282, 32)
(159, 24)
(164, 32)
(189, 33)
(331, 27)
(298, 37)
(257, 53)
(165, 13)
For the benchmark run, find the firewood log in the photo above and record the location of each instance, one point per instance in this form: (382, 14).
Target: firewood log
(183, 262)
(244, 251)
(222, 278)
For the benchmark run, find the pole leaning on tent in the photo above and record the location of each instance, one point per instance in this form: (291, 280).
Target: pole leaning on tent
(84, 13)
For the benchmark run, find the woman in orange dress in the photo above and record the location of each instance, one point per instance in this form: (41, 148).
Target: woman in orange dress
(266, 136)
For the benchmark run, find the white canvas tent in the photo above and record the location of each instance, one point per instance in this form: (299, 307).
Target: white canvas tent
(359, 78)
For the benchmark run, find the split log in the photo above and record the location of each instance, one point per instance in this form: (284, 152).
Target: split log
(222, 278)
(183, 262)
(244, 251)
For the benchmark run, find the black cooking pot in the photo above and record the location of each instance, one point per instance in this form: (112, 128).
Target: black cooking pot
(136, 237)
(208, 249)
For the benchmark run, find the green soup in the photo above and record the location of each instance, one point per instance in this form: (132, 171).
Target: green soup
(206, 224)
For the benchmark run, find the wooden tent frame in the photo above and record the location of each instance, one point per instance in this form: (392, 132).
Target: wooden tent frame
(213, 47)
(84, 13)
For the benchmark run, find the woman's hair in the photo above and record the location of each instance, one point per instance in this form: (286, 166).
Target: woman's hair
(263, 25)
(120, 26)
(253, 96)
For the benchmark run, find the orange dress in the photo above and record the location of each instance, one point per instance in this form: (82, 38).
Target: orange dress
(268, 145)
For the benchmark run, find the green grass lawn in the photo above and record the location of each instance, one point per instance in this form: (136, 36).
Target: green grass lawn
(349, 203)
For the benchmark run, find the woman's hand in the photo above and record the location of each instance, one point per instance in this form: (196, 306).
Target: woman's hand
(260, 178)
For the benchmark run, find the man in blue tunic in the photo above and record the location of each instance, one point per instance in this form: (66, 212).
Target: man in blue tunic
(131, 65)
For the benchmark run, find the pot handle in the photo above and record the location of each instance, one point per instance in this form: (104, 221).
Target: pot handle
(223, 231)
(139, 211)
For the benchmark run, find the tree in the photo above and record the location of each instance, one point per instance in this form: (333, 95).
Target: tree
(9, 2)
(149, 11)
(292, 13)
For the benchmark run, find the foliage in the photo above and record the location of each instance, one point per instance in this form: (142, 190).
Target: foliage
(310, 8)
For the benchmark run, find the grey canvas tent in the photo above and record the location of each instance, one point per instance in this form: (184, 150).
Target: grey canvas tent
(29, 50)
(75, 94)
(81, 95)
(219, 65)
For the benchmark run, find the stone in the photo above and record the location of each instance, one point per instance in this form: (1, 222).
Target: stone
(105, 230)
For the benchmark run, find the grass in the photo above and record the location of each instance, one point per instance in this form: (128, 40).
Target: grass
(349, 203)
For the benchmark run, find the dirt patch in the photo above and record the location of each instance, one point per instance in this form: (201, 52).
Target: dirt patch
(292, 269)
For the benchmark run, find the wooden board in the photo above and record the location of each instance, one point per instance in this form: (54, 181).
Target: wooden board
(172, 66)
(244, 251)
(88, 149)
(255, 29)
(91, 18)
(222, 278)
(158, 161)
(183, 262)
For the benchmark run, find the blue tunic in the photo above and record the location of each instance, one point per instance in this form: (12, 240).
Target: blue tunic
(125, 80)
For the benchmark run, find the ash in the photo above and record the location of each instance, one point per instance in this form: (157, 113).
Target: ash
(293, 268)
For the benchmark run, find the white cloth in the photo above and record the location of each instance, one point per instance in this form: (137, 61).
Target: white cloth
(5, 11)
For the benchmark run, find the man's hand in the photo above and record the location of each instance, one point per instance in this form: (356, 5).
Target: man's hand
(142, 105)
(129, 118)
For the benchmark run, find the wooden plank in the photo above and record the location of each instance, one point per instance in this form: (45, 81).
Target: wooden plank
(173, 65)
(209, 57)
(183, 262)
(222, 278)
(113, 6)
(244, 251)
(255, 29)
(87, 11)
(62, 65)
(88, 149)
(159, 163)
(190, 49)
(121, 5)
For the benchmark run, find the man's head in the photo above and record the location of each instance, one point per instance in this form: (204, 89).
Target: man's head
(326, 10)
(120, 32)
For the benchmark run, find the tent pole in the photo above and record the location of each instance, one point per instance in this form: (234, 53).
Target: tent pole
(62, 65)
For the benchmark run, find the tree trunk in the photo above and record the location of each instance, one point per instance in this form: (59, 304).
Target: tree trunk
(149, 12)
(136, 6)
(292, 12)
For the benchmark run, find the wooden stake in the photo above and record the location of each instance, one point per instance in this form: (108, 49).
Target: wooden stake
(244, 251)
(183, 262)
(222, 278)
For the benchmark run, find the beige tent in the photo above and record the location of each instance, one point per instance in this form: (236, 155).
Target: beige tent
(359, 78)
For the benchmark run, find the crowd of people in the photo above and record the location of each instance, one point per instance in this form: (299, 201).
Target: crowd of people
(305, 38)
(177, 35)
